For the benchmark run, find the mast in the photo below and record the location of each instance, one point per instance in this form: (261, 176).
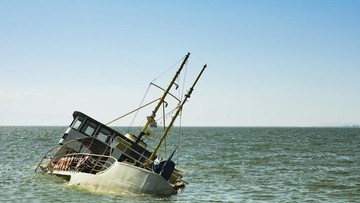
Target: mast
(150, 119)
(174, 118)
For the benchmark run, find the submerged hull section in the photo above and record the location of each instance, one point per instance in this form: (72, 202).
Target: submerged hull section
(121, 178)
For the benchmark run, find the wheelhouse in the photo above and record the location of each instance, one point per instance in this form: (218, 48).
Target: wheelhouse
(87, 135)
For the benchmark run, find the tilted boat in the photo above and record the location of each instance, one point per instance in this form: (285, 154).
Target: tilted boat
(92, 154)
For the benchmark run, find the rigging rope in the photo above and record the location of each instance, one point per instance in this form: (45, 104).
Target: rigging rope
(151, 83)
(165, 115)
(180, 116)
(142, 101)
(168, 69)
(183, 87)
(132, 111)
(164, 120)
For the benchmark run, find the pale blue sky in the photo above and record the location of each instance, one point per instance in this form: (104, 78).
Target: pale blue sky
(270, 63)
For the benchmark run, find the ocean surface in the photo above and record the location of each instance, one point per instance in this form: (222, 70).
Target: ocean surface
(219, 164)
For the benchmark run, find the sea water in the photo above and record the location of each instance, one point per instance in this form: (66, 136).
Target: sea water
(220, 164)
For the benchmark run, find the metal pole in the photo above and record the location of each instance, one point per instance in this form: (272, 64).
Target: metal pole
(151, 118)
(174, 118)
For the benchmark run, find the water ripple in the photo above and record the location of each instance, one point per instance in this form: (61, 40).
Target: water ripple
(220, 164)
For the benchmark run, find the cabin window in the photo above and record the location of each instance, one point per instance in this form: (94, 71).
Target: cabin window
(77, 122)
(90, 128)
(103, 135)
(114, 143)
(116, 153)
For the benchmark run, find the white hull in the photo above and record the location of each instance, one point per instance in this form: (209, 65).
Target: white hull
(121, 178)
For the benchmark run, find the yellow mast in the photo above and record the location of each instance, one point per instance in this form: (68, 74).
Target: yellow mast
(152, 156)
(150, 119)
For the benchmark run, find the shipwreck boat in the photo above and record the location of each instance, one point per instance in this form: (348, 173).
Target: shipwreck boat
(94, 155)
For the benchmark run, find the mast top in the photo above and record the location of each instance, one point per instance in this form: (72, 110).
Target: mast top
(150, 118)
(179, 109)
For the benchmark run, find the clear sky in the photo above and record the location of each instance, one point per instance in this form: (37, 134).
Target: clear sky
(270, 63)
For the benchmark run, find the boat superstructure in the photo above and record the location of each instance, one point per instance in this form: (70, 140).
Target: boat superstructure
(93, 154)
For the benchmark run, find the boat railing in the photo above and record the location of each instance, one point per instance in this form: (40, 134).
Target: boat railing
(95, 163)
(133, 157)
(83, 162)
(128, 155)
(48, 157)
(54, 159)
(53, 153)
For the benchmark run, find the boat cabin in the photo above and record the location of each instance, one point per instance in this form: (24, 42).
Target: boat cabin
(86, 135)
